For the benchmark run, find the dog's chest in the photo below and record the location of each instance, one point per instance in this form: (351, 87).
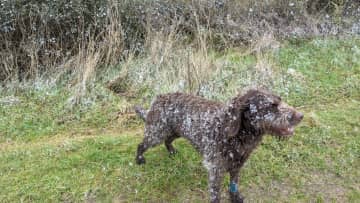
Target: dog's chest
(238, 150)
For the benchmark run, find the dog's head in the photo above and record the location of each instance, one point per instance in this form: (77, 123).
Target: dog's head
(267, 113)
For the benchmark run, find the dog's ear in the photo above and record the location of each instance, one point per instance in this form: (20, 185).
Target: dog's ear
(234, 113)
(232, 118)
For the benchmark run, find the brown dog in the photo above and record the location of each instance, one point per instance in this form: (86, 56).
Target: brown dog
(224, 134)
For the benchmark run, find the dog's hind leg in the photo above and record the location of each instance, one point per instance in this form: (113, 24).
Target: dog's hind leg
(152, 137)
(168, 144)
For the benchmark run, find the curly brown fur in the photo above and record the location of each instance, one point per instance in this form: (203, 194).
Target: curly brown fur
(224, 134)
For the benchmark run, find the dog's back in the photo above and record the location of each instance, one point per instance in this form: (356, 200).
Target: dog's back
(183, 115)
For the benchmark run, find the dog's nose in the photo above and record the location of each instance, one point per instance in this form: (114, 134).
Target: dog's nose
(299, 116)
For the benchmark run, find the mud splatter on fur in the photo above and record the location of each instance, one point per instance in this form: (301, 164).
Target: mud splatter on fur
(224, 134)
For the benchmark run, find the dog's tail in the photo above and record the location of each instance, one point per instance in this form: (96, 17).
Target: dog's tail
(141, 112)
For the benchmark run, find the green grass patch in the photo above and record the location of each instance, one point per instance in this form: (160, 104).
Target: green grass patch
(329, 69)
(47, 112)
(320, 161)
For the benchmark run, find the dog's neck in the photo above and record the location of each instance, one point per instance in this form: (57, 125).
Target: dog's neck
(249, 133)
(236, 124)
(234, 119)
(240, 146)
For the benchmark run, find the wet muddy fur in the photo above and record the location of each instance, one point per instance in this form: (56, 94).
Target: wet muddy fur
(224, 134)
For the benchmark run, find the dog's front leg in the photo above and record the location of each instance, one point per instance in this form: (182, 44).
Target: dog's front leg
(216, 176)
(234, 193)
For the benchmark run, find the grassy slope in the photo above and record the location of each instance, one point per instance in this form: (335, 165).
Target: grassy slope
(48, 154)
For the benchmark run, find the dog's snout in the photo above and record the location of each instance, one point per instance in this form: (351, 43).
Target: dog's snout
(299, 116)
(296, 117)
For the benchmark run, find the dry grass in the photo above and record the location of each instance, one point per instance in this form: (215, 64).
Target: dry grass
(39, 46)
(95, 54)
(35, 57)
(168, 63)
(177, 49)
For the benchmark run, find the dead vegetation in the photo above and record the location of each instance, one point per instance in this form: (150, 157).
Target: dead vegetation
(76, 41)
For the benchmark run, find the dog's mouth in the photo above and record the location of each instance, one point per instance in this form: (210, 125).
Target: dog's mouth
(287, 132)
(284, 132)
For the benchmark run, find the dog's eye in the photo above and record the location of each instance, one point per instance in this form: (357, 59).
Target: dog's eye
(275, 104)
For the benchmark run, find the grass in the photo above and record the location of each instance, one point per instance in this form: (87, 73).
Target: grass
(49, 153)
(46, 112)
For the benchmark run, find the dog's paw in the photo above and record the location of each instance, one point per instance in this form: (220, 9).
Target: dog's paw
(140, 160)
(173, 152)
(236, 198)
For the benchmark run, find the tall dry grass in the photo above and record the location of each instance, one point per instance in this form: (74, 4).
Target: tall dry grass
(159, 46)
(41, 38)
(169, 66)
(101, 51)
